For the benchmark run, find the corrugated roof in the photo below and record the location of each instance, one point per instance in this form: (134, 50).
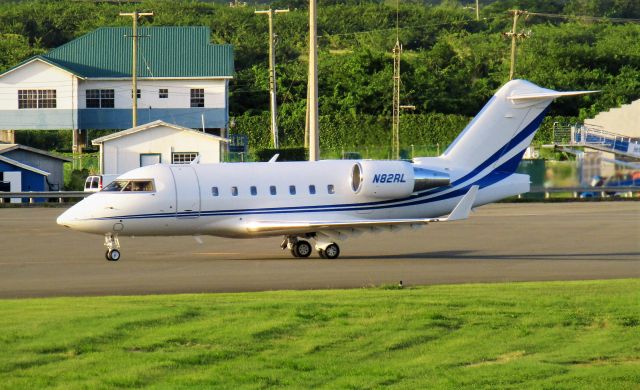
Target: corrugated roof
(173, 52)
(151, 125)
(4, 148)
(23, 166)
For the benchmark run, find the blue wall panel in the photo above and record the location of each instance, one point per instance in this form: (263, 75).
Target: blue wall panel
(42, 119)
(118, 118)
(109, 118)
(31, 181)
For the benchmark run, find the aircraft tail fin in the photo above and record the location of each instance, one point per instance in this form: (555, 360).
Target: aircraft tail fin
(505, 127)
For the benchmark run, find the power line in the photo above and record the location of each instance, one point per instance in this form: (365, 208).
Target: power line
(585, 17)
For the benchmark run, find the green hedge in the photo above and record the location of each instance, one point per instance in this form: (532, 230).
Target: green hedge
(347, 131)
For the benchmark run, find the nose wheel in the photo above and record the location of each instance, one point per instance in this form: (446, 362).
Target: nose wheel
(112, 255)
(113, 247)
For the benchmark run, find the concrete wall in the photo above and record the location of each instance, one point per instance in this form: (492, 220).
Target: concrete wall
(623, 120)
(123, 154)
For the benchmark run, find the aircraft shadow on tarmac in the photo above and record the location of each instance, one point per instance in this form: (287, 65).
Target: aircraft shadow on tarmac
(471, 255)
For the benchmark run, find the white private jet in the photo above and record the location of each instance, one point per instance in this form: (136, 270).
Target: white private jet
(323, 201)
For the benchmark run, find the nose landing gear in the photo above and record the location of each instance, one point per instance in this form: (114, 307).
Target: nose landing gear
(113, 247)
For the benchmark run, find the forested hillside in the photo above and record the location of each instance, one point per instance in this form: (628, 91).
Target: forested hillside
(451, 63)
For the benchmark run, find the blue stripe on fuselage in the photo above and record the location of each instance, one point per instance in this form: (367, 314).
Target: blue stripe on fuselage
(499, 173)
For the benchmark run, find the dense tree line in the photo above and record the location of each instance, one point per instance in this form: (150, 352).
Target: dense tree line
(451, 63)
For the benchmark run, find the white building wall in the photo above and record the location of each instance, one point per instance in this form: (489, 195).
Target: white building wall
(37, 75)
(123, 154)
(179, 92)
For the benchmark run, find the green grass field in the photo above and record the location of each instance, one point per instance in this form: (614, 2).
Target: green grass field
(534, 335)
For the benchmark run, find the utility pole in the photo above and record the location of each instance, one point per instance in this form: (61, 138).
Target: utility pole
(514, 36)
(134, 64)
(477, 10)
(312, 87)
(272, 75)
(306, 124)
(395, 125)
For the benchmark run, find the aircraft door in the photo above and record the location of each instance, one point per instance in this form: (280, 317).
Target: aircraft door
(187, 191)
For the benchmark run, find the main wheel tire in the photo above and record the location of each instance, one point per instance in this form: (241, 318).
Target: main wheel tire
(302, 248)
(114, 254)
(107, 255)
(332, 251)
(293, 252)
(321, 254)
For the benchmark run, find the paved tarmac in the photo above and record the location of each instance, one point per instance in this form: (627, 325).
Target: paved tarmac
(499, 243)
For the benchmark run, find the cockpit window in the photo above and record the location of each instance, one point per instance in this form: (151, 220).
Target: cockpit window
(142, 185)
(116, 185)
(130, 186)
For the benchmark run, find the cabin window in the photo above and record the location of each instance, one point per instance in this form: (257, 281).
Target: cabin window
(100, 98)
(331, 189)
(36, 98)
(214, 191)
(183, 157)
(234, 191)
(312, 189)
(254, 190)
(292, 190)
(130, 186)
(163, 93)
(272, 190)
(197, 97)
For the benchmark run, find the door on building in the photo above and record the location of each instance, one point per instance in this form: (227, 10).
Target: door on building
(187, 191)
(149, 159)
(11, 182)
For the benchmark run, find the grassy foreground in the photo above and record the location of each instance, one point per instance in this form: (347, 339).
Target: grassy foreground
(540, 335)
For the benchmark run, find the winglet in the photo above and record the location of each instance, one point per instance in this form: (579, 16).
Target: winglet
(463, 208)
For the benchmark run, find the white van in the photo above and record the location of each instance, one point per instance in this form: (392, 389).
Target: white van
(95, 183)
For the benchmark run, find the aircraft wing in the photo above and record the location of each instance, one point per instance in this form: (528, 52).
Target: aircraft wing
(461, 211)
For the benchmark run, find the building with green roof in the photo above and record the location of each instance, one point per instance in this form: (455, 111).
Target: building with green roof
(86, 84)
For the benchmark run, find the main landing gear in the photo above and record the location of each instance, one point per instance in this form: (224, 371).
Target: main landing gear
(113, 247)
(302, 248)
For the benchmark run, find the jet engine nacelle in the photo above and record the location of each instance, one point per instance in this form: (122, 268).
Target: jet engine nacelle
(393, 179)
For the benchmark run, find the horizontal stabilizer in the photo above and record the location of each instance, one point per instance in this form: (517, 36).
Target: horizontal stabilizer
(545, 95)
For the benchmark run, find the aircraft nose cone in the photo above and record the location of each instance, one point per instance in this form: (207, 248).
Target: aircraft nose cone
(64, 219)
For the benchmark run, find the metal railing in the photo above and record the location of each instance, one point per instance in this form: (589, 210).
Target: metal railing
(576, 191)
(32, 195)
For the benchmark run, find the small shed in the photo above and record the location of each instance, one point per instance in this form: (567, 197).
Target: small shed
(41, 160)
(154, 143)
(16, 177)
